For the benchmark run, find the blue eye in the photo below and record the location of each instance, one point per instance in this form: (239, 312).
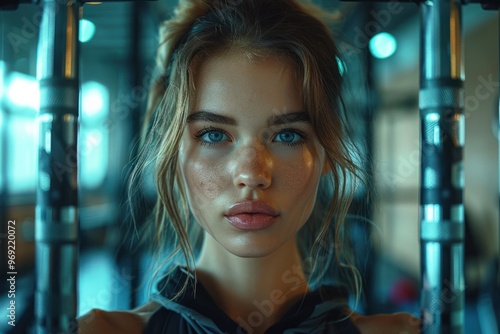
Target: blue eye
(289, 137)
(211, 136)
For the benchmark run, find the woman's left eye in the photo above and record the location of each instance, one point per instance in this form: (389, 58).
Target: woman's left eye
(289, 137)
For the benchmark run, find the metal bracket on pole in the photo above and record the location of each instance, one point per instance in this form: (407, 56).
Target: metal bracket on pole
(441, 108)
(442, 180)
(441, 191)
(442, 140)
(56, 226)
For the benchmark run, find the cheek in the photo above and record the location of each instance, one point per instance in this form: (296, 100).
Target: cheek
(302, 174)
(204, 180)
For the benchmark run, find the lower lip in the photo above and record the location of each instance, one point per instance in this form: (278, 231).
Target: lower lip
(247, 221)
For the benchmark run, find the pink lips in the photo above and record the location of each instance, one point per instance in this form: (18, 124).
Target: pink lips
(251, 215)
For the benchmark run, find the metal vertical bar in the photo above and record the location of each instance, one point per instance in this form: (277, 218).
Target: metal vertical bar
(441, 191)
(56, 227)
(496, 274)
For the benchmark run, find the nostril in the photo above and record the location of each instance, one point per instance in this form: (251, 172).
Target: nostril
(253, 178)
(254, 182)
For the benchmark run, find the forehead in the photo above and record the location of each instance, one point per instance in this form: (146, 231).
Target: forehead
(234, 80)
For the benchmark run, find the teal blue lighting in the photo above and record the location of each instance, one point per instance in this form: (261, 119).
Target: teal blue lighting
(2, 83)
(22, 153)
(87, 30)
(383, 45)
(341, 65)
(94, 156)
(95, 101)
(23, 92)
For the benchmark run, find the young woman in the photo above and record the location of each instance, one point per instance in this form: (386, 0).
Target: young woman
(254, 172)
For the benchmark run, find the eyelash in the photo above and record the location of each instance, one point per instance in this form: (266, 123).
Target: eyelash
(302, 134)
(199, 136)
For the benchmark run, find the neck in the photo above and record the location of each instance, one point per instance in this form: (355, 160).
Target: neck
(267, 285)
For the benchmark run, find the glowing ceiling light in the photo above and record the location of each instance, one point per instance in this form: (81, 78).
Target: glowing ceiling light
(383, 45)
(95, 101)
(87, 30)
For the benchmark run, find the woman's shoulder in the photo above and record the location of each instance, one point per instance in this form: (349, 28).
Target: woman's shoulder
(386, 323)
(115, 322)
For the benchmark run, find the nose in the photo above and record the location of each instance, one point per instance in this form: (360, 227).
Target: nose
(252, 168)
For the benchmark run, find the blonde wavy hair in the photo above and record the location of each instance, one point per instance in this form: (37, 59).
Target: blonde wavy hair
(201, 28)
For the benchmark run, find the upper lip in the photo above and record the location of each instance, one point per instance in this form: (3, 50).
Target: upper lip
(252, 207)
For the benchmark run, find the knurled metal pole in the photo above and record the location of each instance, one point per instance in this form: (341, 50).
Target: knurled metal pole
(442, 180)
(56, 226)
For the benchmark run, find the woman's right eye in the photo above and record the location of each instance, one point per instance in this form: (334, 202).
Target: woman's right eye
(211, 136)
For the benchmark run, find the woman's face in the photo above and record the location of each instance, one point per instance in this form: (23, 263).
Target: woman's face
(249, 158)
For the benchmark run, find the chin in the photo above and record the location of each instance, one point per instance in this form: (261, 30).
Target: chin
(252, 246)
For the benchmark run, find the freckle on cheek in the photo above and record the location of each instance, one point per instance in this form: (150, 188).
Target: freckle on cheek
(207, 181)
(297, 175)
(294, 177)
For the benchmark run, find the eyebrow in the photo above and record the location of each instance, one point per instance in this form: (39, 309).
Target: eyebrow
(275, 120)
(293, 117)
(210, 117)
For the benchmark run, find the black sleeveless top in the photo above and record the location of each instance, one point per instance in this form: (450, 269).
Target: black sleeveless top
(317, 312)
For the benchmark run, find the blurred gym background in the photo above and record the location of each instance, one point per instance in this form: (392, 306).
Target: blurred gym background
(381, 46)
